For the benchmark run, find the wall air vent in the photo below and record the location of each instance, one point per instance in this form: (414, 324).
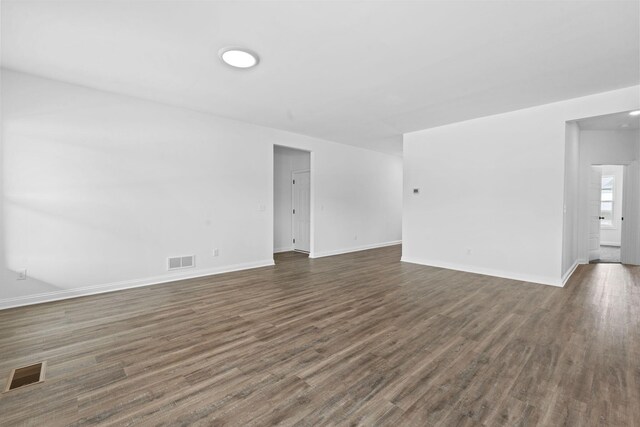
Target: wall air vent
(176, 263)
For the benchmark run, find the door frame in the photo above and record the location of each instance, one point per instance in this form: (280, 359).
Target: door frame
(630, 247)
(628, 223)
(293, 227)
(590, 252)
(312, 185)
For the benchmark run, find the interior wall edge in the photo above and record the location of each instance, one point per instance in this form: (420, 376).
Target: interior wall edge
(354, 249)
(205, 113)
(128, 284)
(566, 276)
(279, 250)
(550, 281)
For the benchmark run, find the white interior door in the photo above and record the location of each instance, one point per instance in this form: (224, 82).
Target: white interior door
(301, 211)
(595, 194)
(630, 244)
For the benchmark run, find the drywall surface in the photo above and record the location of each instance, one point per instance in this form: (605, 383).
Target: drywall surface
(285, 161)
(491, 196)
(612, 236)
(570, 208)
(99, 189)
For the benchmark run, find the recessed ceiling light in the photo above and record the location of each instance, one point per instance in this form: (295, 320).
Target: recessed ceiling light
(238, 57)
(635, 113)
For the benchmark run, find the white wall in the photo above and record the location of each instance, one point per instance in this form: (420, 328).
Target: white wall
(285, 161)
(99, 189)
(601, 147)
(356, 197)
(570, 208)
(611, 236)
(494, 186)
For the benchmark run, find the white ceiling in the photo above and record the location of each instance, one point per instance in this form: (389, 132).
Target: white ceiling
(617, 121)
(360, 73)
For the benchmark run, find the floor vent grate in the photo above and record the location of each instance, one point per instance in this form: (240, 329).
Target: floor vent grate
(26, 375)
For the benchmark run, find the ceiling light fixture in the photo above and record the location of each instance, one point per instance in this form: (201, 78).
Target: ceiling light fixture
(237, 57)
(635, 113)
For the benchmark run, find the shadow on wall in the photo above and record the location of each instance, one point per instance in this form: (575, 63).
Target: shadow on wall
(59, 199)
(90, 201)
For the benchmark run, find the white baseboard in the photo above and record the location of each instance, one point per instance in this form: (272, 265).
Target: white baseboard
(567, 275)
(127, 284)
(617, 244)
(486, 271)
(354, 249)
(279, 250)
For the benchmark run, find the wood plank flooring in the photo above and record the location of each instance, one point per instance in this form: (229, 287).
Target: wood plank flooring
(355, 339)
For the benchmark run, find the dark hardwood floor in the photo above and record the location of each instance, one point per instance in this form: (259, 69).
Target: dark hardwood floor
(352, 339)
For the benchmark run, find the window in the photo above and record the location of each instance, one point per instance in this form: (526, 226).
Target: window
(606, 204)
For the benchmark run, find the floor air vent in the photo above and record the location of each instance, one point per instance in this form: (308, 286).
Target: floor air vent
(181, 262)
(26, 375)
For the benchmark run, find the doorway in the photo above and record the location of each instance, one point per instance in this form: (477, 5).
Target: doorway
(602, 191)
(606, 213)
(292, 200)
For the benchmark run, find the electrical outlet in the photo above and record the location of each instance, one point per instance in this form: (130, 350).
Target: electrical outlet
(22, 274)
(355, 237)
(216, 252)
(468, 251)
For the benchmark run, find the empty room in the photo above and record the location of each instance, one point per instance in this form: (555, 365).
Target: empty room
(319, 213)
